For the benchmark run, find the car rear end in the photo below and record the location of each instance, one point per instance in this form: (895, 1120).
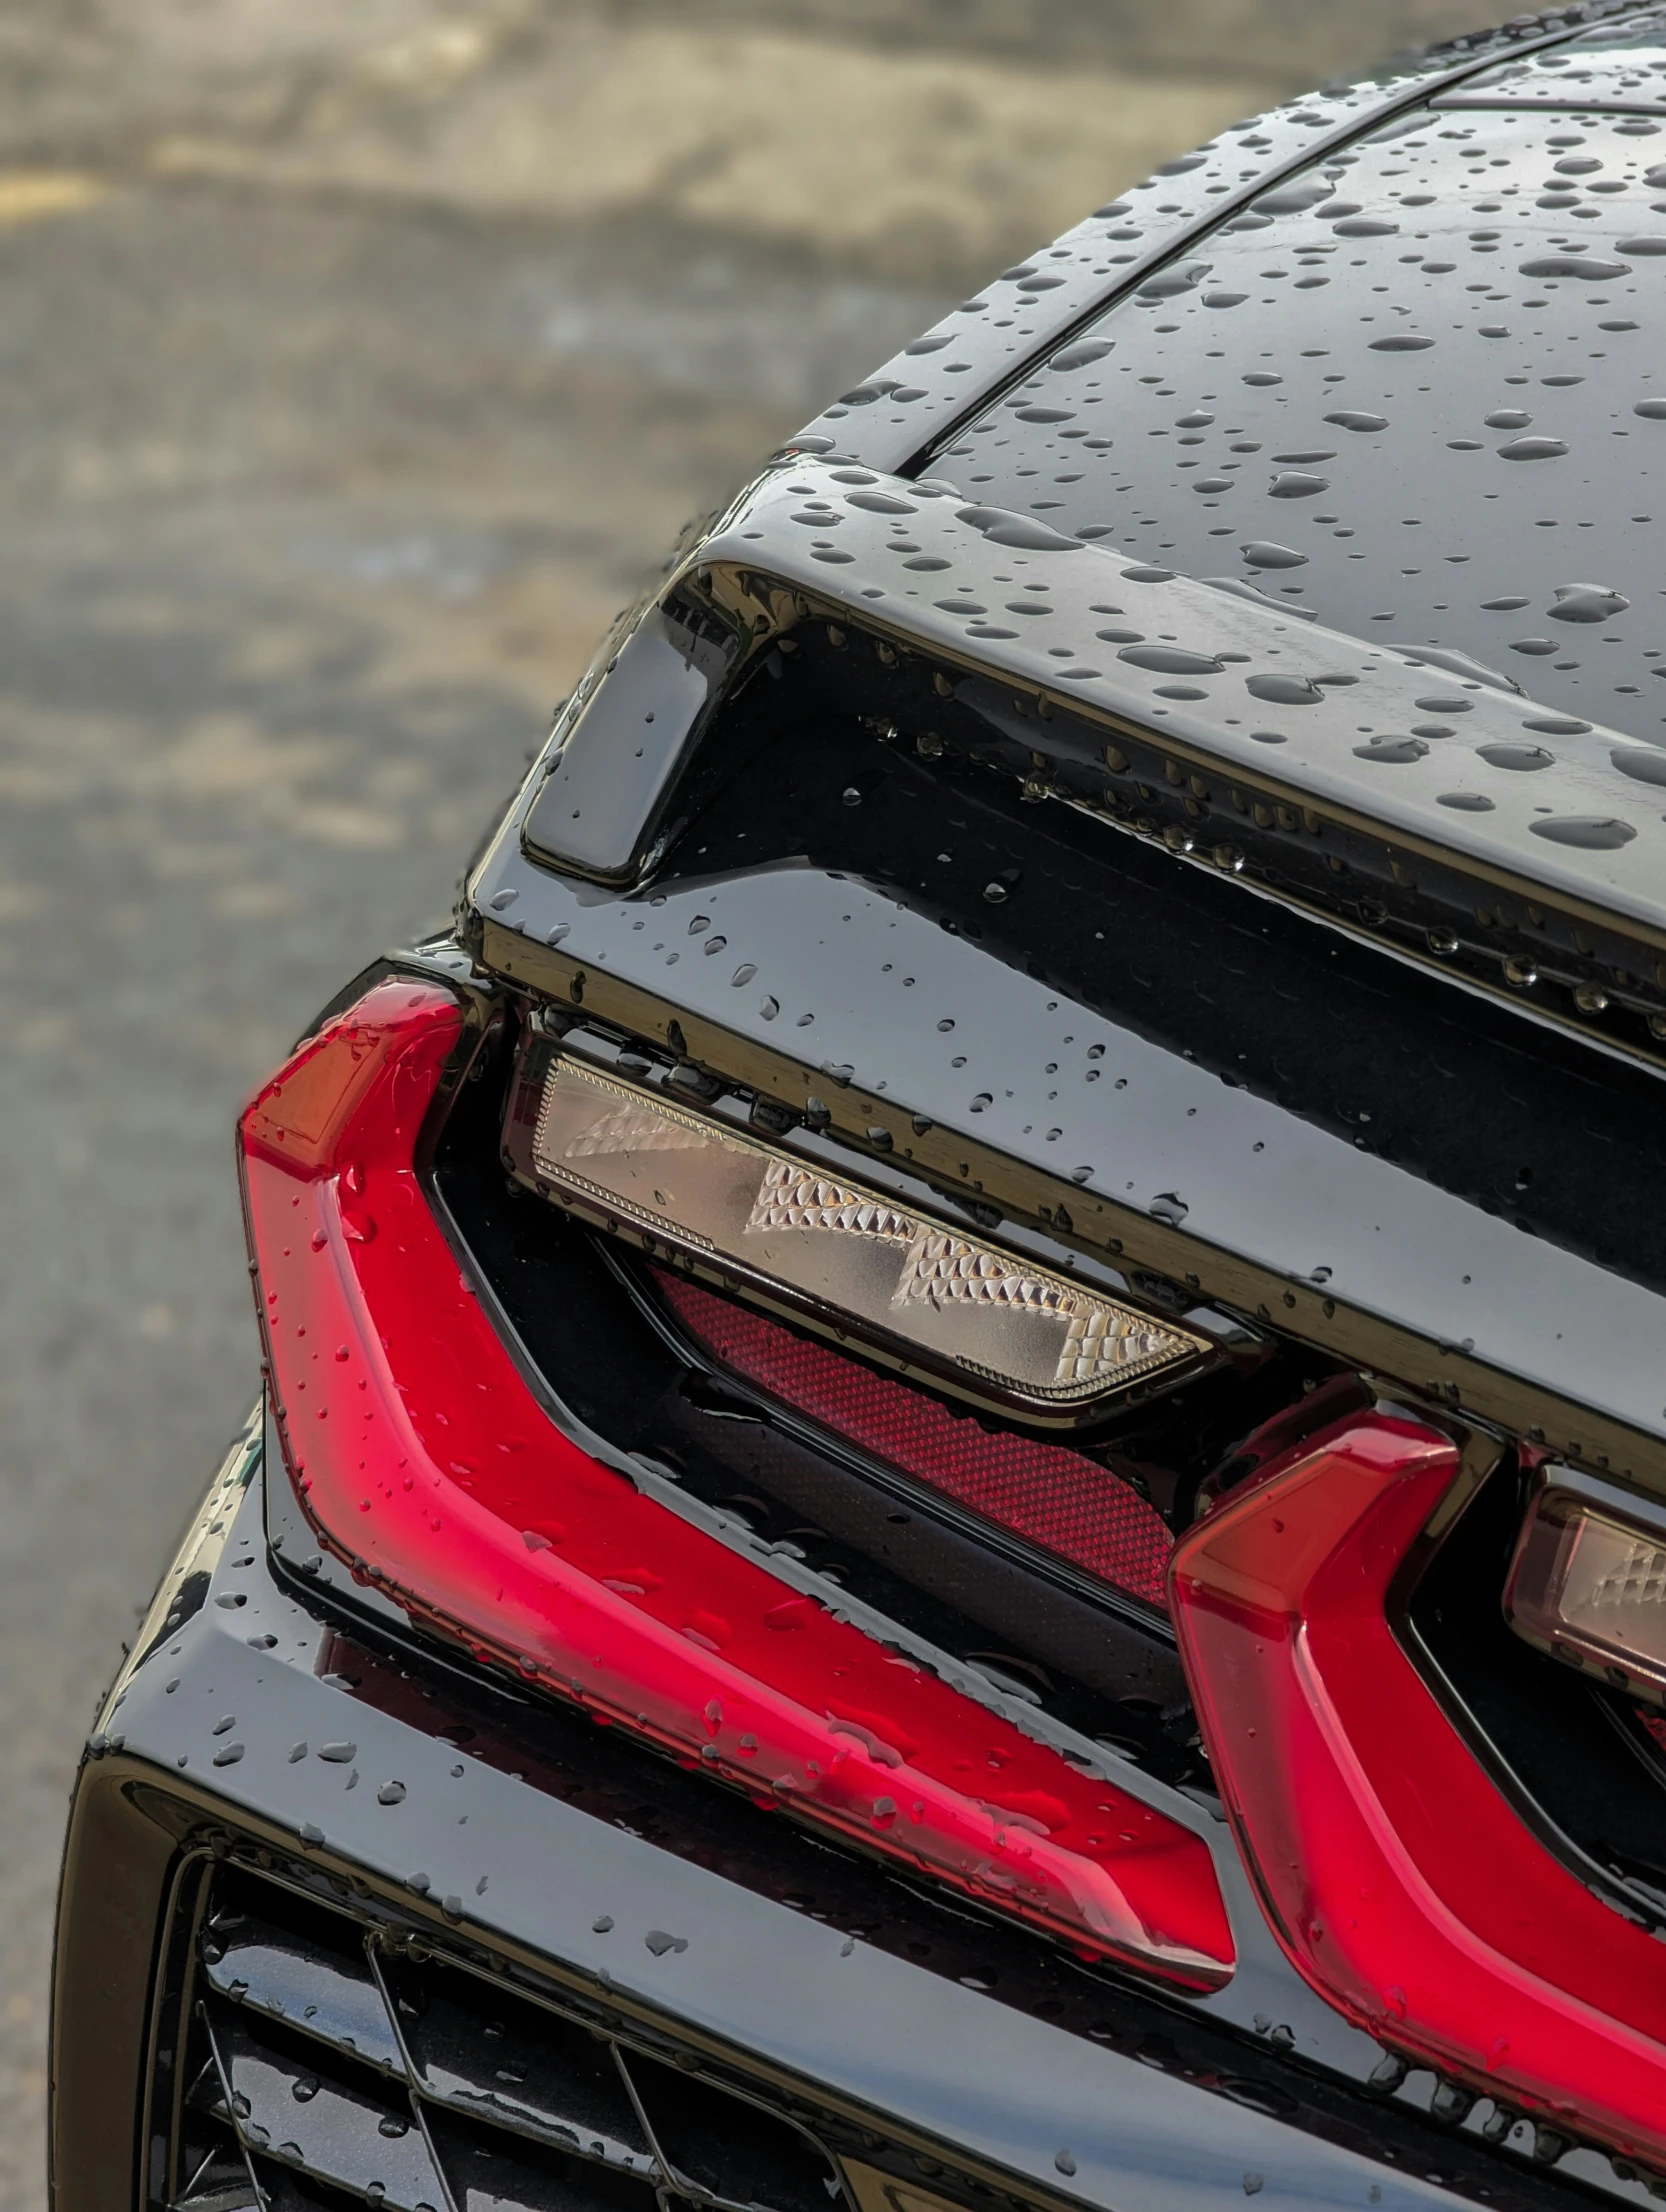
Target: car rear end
(959, 1495)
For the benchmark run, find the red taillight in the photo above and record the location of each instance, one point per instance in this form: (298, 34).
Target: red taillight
(1050, 1496)
(426, 1463)
(1396, 1876)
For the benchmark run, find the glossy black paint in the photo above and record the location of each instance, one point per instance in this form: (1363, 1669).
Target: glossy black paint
(1214, 675)
(1456, 1090)
(271, 1720)
(1464, 820)
(1612, 68)
(1159, 1160)
(944, 377)
(632, 737)
(1426, 407)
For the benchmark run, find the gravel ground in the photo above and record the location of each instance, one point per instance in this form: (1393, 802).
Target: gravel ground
(357, 364)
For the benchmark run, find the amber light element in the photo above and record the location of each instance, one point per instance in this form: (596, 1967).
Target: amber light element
(918, 1291)
(1588, 1581)
(1398, 1879)
(426, 1463)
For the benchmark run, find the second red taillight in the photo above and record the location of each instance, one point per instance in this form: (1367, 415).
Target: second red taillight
(1398, 1878)
(426, 1462)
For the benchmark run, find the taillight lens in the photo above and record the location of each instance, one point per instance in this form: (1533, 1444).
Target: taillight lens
(427, 1464)
(1588, 1581)
(981, 1321)
(1398, 1879)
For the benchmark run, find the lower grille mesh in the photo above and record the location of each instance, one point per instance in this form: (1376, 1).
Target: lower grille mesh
(329, 2064)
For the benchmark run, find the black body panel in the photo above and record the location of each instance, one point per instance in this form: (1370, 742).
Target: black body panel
(893, 418)
(258, 1724)
(1427, 407)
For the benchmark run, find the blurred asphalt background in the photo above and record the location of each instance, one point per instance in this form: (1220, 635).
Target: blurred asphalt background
(357, 359)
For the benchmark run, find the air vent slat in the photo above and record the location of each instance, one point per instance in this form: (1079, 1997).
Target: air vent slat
(493, 2172)
(301, 1981)
(335, 2061)
(726, 2152)
(336, 2133)
(484, 2052)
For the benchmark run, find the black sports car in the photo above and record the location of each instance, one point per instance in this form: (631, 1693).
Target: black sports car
(961, 1492)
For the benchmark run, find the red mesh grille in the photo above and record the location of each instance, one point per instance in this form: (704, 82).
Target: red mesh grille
(1054, 1499)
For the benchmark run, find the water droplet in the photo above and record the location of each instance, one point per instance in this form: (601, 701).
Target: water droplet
(1022, 532)
(1395, 751)
(1642, 764)
(1574, 267)
(1296, 484)
(1587, 833)
(1587, 603)
(1285, 691)
(1170, 660)
(1261, 554)
(1523, 758)
(1081, 355)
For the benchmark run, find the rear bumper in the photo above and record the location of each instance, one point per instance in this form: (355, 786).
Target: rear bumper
(260, 1721)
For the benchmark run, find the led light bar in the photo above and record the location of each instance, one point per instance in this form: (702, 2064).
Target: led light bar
(1399, 1879)
(920, 1293)
(1588, 1581)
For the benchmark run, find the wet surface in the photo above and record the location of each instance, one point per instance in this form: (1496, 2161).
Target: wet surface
(339, 415)
(1415, 394)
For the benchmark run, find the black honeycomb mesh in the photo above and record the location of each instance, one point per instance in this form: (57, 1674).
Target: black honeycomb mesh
(322, 2061)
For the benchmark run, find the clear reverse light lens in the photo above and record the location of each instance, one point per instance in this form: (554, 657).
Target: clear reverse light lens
(1588, 1583)
(920, 1292)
